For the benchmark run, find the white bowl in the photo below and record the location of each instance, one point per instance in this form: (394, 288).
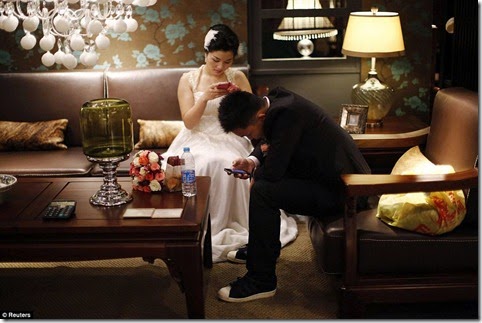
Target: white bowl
(6, 183)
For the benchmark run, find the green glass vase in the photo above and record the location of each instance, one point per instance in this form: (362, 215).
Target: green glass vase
(106, 128)
(107, 139)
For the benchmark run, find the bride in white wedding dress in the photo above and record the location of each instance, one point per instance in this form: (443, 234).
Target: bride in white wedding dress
(213, 149)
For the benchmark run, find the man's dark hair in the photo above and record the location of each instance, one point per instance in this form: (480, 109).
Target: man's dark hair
(225, 40)
(237, 110)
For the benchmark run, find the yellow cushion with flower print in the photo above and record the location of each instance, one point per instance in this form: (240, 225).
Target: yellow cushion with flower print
(431, 213)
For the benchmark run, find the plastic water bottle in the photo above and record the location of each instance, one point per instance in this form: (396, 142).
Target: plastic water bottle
(188, 173)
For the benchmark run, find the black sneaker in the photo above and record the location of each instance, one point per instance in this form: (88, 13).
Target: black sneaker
(238, 256)
(246, 289)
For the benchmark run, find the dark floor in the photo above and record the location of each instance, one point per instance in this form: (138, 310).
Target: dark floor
(456, 310)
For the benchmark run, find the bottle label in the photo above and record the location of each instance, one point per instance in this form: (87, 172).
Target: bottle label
(188, 176)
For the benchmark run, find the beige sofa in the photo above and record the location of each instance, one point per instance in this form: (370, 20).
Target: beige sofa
(43, 96)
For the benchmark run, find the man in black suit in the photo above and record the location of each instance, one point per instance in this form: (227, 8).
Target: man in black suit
(296, 168)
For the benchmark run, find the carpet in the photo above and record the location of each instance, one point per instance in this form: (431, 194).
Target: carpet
(133, 289)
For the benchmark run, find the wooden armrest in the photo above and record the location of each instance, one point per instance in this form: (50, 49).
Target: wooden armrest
(368, 184)
(392, 140)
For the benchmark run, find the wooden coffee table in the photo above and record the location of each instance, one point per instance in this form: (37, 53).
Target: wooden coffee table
(184, 243)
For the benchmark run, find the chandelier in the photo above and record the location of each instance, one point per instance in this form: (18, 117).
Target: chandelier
(69, 26)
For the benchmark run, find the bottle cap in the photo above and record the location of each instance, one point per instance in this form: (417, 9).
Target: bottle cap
(186, 149)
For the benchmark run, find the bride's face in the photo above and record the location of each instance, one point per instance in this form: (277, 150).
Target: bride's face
(219, 61)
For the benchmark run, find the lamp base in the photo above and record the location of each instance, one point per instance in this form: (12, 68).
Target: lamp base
(377, 95)
(305, 47)
(110, 193)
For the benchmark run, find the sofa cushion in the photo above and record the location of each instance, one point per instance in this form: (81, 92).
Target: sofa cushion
(430, 213)
(410, 161)
(386, 249)
(34, 96)
(65, 162)
(157, 133)
(41, 135)
(158, 101)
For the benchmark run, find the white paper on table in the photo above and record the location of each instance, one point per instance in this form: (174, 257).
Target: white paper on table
(138, 213)
(167, 213)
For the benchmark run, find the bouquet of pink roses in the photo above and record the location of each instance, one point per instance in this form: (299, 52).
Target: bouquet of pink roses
(146, 172)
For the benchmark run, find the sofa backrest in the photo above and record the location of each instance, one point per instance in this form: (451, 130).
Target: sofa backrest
(42, 96)
(453, 136)
(151, 92)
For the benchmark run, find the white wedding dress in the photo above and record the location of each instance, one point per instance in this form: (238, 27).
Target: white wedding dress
(214, 150)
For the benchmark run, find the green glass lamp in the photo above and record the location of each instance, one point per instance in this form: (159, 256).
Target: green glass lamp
(107, 139)
(373, 34)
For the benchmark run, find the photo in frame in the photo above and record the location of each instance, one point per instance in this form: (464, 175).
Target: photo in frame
(353, 117)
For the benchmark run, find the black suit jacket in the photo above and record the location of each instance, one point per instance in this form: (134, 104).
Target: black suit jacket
(305, 143)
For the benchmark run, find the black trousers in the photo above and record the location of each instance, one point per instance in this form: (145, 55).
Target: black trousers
(296, 196)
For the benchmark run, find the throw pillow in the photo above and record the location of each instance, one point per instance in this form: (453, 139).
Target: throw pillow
(157, 133)
(430, 213)
(41, 135)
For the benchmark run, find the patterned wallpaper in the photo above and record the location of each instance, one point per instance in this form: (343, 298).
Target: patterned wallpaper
(409, 75)
(170, 33)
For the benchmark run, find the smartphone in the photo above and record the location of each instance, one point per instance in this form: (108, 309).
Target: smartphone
(224, 86)
(236, 171)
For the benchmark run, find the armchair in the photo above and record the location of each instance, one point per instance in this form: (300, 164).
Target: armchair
(385, 264)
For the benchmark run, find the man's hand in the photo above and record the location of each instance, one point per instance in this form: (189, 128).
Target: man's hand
(245, 164)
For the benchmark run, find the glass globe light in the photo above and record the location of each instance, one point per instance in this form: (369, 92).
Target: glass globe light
(48, 59)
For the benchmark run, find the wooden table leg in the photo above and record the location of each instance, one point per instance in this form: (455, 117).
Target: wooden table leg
(207, 246)
(186, 267)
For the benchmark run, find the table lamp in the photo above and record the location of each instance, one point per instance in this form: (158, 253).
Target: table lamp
(373, 34)
(107, 139)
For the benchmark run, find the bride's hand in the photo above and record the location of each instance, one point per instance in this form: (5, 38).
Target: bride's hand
(213, 92)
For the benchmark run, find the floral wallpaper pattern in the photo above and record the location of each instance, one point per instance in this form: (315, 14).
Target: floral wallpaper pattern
(170, 33)
(409, 75)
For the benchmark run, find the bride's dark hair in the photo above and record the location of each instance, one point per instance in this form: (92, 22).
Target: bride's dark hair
(225, 40)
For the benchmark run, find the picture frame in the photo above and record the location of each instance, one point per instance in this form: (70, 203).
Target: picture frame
(353, 117)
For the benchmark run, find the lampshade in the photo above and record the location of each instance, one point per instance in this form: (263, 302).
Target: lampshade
(298, 28)
(303, 29)
(373, 34)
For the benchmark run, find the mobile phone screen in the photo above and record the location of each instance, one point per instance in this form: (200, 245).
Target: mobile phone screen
(236, 171)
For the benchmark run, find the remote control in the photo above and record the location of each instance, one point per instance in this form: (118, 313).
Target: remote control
(59, 210)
